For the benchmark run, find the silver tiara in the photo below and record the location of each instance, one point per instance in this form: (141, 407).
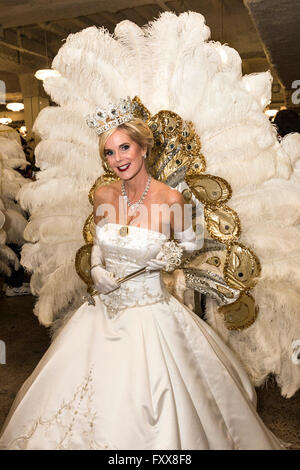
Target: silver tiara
(104, 119)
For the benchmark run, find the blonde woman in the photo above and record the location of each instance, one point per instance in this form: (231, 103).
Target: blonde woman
(138, 370)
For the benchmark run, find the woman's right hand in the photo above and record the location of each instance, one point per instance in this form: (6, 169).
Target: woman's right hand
(104, 281)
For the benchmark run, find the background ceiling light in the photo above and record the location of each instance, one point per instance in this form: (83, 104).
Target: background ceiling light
(5, 120)
(271, 112)
(15, 106)
(45, 73)
(23, 130)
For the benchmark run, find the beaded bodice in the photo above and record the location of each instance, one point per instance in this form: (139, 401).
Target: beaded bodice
(126, 254)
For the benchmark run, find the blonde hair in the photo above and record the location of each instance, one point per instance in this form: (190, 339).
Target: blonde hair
(137, 130)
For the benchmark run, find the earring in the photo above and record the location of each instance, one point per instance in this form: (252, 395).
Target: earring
(145, 156)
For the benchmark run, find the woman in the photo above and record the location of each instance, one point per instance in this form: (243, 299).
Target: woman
(139, 370)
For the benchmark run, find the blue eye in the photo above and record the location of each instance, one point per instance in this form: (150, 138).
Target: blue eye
(108, 153)
(125, 147)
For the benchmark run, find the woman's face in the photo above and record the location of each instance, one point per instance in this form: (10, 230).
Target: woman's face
(123, 155)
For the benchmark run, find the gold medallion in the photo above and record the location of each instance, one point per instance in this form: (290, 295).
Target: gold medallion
(123, 231)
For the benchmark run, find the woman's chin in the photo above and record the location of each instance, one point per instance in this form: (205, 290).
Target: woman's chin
(126, 175)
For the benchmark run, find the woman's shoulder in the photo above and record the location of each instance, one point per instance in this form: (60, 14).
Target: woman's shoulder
(107, 192)
(167, 194)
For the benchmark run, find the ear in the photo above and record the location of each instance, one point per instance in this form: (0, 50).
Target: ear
(144, 150)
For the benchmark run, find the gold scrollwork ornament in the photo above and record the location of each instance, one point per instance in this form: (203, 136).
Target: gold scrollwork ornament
(209, 189)
(222, 223)
(240, 314)
(242, 267)
(83, 265)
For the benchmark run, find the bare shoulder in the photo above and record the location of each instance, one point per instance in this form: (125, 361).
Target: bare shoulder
(167, 194)
(107, 193)
(105, 197)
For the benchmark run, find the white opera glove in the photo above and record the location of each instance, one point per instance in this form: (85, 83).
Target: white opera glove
(187, 242)
(187, 239)
(103, 280)
(156, 263)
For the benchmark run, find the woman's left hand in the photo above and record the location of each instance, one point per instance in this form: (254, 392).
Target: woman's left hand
(156, 263)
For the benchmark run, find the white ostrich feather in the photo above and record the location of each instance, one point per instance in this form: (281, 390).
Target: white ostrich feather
(171, 64)
(80, 60)
(132, 40)
(166, 61)
(17, 163)
(12, 220)
(290, 146)
(230, 59)
(8, 255)
(9, 133)
(72, 159)
(4, 269)
(12, 204)
(48, 302)
(10, 183)
(14, 226)
(259, 85)
(3, 236)
(2, 215)
(10, 149)
(67, 126)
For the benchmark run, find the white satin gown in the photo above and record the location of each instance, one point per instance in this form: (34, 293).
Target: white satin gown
(137, 371)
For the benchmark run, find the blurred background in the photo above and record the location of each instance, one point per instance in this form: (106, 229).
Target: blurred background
(266, 34)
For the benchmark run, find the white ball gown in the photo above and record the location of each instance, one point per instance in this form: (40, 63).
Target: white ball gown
(137, 371)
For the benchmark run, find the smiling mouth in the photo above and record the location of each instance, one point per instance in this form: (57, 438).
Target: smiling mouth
(124, 167)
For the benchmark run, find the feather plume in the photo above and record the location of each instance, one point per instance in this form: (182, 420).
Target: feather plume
(132, 40)
(12, 217)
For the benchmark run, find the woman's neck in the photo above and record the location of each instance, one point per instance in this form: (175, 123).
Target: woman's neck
(136, 185)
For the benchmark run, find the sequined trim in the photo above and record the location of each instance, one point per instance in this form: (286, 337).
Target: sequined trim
(131, 295)
(211, 284)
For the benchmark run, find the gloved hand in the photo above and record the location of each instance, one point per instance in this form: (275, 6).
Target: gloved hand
(186, 239)
(156, 263)
(104, 280)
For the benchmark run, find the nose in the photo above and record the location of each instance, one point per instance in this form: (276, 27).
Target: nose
(117, 156)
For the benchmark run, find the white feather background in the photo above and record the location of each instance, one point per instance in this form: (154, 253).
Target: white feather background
(12, 220)
(171, 64)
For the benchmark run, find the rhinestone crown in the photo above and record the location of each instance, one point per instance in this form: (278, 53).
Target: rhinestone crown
(104, 119)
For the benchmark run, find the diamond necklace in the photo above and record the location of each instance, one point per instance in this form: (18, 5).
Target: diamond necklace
(124, 229)
(132, 204)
